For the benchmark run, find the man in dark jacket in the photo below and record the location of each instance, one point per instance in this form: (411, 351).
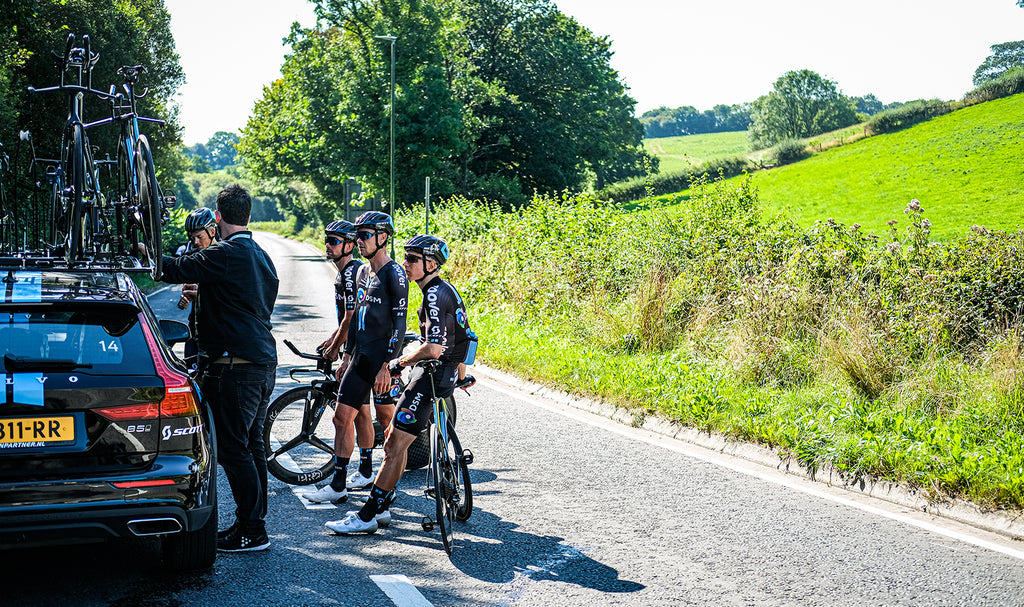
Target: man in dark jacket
(238, 357)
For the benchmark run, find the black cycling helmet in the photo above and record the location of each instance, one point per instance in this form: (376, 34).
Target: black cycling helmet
(344, 230)
(431, 247)
(376, 221)
(200, 219)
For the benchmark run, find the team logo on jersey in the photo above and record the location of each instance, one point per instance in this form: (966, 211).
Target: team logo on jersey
(361, 294)
(460, 317)
(405, 416)
(396, 389)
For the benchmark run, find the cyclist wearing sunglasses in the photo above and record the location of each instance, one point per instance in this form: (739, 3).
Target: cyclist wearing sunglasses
(374, 338)
(339, 244)
(444, 327)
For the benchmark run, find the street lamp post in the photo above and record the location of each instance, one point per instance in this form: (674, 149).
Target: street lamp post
(391, 200)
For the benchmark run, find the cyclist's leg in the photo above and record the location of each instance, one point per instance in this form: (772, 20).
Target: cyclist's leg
(415, 409)
(353, 390)
(365, 438)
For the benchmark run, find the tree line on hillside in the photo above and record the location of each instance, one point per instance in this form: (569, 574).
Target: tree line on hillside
(493, 99)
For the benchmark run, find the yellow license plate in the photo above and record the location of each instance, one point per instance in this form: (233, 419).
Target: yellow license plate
(36, 431)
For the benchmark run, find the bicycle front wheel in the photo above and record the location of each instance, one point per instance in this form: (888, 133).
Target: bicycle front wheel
(299, 436)
(451, 484)
(150, 205)
(70, 225)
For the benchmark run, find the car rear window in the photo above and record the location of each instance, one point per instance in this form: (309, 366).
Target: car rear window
(101, 341)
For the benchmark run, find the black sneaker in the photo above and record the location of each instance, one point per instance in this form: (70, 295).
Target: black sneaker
(243, 542)
(224, 533)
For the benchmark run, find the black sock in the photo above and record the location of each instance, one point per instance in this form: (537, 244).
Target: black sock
(340, 470)
(366, 462)
(378, 502)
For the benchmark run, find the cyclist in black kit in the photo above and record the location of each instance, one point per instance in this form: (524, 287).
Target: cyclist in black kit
(340, 243)
(445, 328)
(374, 338)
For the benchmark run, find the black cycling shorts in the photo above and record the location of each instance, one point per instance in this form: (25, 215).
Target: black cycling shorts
(415, 408)
(357, 381)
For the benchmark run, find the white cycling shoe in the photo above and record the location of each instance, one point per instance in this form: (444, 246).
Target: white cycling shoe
(328, 494)
(352, 525)
(383, 519)
(358, 481)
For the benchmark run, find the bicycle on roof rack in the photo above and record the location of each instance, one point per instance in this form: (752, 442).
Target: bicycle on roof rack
(85, 230)
(138, 207)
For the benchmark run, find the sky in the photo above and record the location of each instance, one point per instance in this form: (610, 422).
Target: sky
(668, 52)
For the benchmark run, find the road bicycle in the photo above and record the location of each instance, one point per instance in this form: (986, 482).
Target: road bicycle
(299, 431)
(448, 482)
(74, 178)
(138, 206)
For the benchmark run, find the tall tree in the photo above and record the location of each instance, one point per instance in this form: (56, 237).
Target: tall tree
(1005, 56)
(802, 104)
(494, 98)
(221, 149)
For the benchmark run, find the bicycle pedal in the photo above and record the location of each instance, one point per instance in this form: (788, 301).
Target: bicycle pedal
(427, 524)
(429, 492)
(467, 456)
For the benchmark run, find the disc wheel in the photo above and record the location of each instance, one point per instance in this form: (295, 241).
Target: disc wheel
(298, 436)
(418, 454)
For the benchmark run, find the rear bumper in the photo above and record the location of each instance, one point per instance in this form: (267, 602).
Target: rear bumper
(97, 522)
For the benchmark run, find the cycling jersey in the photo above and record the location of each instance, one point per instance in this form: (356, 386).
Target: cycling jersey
(378, 326)
(345, 288)
(443, 320)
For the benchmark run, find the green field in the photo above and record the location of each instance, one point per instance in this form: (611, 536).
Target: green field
(965, 168)
(677, 153)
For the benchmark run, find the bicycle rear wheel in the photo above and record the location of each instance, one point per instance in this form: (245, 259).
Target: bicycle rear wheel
(418, 454)
(450, 480)
(299, 436)
(150, 206)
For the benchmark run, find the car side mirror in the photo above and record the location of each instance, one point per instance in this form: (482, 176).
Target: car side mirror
(174, 332)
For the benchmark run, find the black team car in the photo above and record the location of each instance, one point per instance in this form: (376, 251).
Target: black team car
(103, 434)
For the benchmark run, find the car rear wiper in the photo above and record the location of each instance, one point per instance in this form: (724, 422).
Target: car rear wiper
(13, 363)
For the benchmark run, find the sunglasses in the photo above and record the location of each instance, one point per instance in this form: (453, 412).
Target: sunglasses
(333, 241)
(365, 235)
(413, 258)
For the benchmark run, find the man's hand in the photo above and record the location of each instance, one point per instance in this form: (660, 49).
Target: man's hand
(342, 366)
(190, 291)
(382, 383)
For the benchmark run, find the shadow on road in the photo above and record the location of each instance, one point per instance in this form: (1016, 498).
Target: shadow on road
(494, 550)
(290, 309)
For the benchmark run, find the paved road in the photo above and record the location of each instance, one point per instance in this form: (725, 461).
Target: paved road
(571, 509)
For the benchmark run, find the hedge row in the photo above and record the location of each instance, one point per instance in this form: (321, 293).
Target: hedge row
(676, 181)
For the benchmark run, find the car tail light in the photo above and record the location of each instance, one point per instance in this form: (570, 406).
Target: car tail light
(178, 401)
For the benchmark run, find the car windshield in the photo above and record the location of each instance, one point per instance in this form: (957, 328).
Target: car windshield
(87, 340)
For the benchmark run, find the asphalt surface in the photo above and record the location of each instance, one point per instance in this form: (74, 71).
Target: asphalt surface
(570, 509)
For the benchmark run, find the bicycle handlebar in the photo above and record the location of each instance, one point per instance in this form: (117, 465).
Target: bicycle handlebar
(296, 351)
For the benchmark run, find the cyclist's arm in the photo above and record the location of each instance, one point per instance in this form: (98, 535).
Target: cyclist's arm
(399, 291)
(426, 351)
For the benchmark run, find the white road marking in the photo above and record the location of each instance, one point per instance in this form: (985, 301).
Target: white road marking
(401, 592)
(807, 486)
